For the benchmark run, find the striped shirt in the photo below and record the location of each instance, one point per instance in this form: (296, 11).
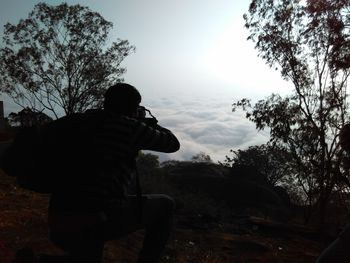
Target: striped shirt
(119, 140)
(115, 143)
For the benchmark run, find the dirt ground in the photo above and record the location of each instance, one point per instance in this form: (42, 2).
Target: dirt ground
(23, 224)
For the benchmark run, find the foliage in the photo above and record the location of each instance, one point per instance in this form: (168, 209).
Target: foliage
(147, 163)
(206, 189)
(170, 163)
(57, 59)
(264, 163)
(201, 158)
(308, 41)
(27, 118)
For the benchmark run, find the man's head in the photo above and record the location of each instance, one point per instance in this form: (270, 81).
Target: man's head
(122, 98)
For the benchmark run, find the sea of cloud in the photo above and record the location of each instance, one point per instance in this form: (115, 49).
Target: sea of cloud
(206, 125)
(202, 124)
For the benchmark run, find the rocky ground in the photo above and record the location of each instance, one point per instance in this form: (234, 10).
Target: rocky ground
(195, 239)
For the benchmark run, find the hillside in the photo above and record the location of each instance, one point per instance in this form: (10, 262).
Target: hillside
(197, 238)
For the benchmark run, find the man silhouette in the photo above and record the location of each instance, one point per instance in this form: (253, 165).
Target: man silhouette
(97, 206)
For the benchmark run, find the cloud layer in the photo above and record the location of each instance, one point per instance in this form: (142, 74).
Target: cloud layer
(202, 124)
(205, 125)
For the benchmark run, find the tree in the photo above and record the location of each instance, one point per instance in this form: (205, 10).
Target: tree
(57, 59)
(28, 118)
(147, 163)
(201, 157)
(263, 163)
(308, 41)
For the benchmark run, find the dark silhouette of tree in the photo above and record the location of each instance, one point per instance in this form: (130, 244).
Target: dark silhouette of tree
(263, 163)
(147, 163)
(58, 59)
(28, 118)
(201, 157)
(308, 42)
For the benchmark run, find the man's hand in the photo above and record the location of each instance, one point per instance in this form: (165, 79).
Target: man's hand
(150, 121)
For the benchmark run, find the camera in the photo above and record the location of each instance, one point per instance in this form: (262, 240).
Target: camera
(142, 113)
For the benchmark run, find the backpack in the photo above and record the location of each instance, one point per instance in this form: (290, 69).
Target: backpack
(43, 159)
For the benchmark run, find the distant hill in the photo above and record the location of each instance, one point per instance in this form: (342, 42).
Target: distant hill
(240, 195)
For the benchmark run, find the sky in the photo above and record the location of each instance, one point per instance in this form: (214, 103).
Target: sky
(192, 61)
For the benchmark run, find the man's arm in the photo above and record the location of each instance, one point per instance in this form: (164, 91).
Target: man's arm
(155, 138)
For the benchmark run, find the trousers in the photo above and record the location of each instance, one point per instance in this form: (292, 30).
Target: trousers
(85, 244)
